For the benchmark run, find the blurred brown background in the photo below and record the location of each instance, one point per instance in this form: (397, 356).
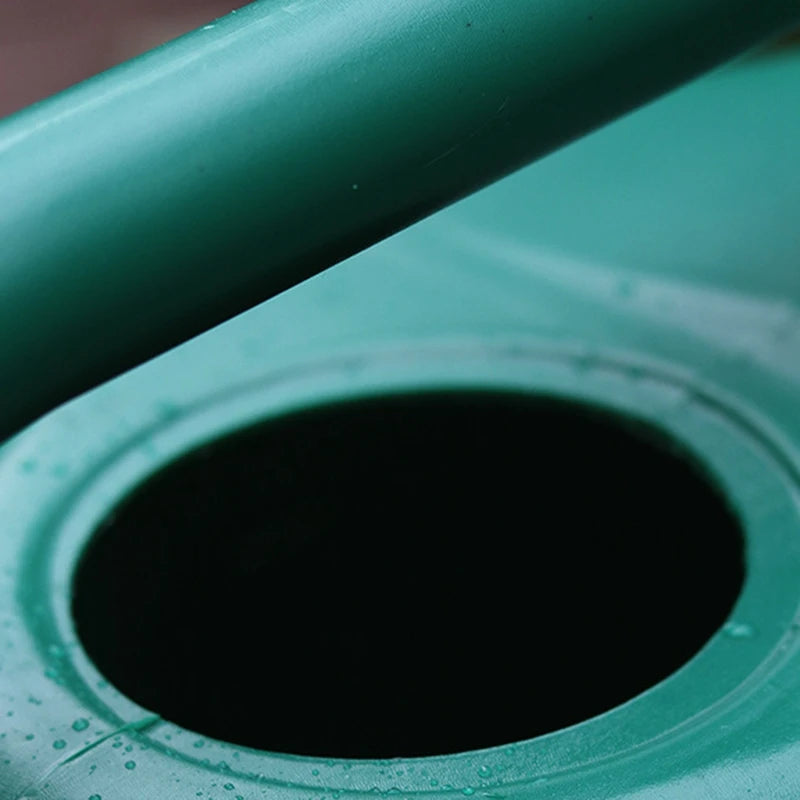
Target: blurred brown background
(47, 45)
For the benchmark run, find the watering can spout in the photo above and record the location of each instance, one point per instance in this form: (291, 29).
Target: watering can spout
(158, 199)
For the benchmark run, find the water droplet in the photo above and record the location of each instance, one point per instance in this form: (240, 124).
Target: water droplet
(167, 410)
(315, 772)
(584, 361)
(468, 791)
(738, 630)
(80, 724)
(29, 737)
(208, 27)
(485, 771)
(95, 797)
(130, 765)
(117, 745)
(129, 748)
(228, 787)
(59, 744)
(434, 782)
(198, 744)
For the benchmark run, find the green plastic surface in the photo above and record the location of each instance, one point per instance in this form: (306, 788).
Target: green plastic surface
(650, 269)
(147, 204)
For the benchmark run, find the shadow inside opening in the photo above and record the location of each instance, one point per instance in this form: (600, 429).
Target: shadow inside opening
(409, 575)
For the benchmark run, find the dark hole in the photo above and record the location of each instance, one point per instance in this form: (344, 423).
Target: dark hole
(409, 576)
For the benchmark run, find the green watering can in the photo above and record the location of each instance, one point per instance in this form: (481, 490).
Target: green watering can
(505, 506)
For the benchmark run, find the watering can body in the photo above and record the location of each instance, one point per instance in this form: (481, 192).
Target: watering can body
(649, 269)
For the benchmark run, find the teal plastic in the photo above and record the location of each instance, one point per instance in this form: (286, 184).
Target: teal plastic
(162, 197)
(651, 269)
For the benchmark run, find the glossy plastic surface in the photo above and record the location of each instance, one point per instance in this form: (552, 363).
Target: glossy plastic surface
(650, 268)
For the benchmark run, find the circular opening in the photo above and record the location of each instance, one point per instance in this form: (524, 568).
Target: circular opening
(409, 575)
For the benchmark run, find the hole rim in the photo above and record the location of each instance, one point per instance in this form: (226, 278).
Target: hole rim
(654, 465)
(708, 425)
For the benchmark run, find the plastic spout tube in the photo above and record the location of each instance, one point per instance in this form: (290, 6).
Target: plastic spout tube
(155, 200)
